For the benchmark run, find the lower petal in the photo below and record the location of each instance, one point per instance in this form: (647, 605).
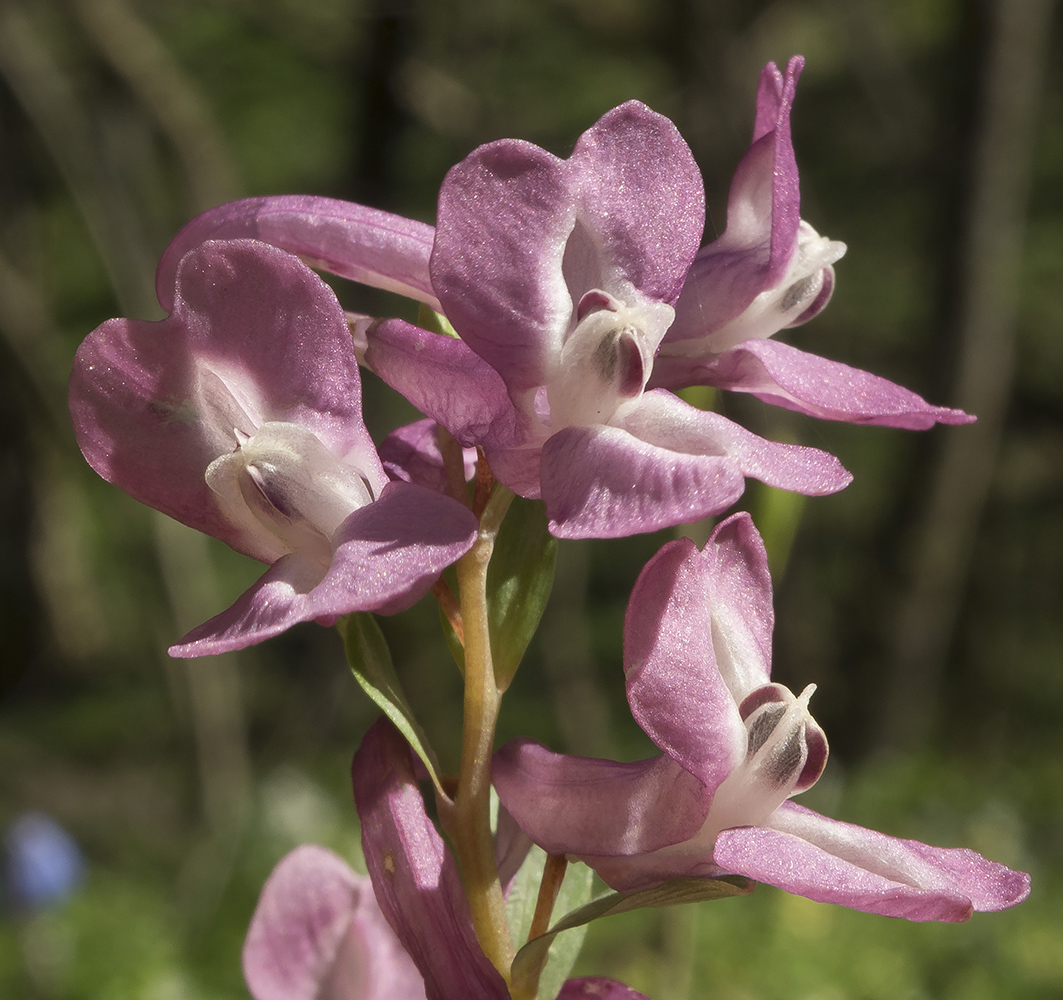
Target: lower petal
(387, 555)
(834, 862)
(780, 374)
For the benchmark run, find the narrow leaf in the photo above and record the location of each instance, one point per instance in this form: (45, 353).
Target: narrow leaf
(519, 579)
(530, 958)
(370, 662)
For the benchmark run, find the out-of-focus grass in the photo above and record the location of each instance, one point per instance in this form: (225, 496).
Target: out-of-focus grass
(128, 933)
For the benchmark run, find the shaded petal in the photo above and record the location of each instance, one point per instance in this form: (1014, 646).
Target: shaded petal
(763, 217)
(387, 555)
(596, 988)
(775, 98)
(414, 875)
(505, 215)
(833, 862)
(444, 379)
(318, 934)
(255, 336)
(582, 805)
(641, 197)
(674, 686)
(781, 374)
(412, 454)
(364, 244)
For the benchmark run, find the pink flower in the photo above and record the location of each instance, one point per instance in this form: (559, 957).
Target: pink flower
(561, 278)
(697, 651)
(320, 933)
(768, 271)
(240, 415)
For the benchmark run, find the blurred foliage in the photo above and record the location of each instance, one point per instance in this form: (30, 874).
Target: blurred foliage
(186, 781)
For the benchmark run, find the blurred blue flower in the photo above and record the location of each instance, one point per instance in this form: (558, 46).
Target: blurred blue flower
(42, 863)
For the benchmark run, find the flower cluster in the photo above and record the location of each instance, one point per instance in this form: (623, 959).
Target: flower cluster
(563, 301)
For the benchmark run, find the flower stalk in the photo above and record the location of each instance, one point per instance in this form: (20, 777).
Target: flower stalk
(471, 829)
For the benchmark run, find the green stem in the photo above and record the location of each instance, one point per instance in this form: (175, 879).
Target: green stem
(471, 827)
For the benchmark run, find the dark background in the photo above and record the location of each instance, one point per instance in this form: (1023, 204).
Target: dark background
(925, 600)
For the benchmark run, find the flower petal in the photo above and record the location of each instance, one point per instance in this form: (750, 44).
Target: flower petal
(662, 419)
(414, 875)
(737, 595)
(364, 244)
(763, 217)
(255, 336)
(411, 453)
(444, 379)
(641, 197)
(775, 98)
(781, 374)
(596, 988)
(582, 805)
(663, 463)
(318, 934)
(606, 482)
(387, 555)
(674, 686)
(834, 862)
(505, 215)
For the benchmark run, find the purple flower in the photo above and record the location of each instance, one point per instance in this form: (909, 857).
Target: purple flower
(42, 863)
(320, 933)
(561, 277)
(736, 747)
(771, 270)
(240, 415)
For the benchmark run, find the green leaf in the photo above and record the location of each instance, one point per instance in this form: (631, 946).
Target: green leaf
(519, 578)
(530, 958)
(429, 319)
(370, 661)
(560, 954)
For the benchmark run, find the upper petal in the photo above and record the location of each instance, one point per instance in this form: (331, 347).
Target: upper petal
(318, 934)
(781, 374)
(414, 875)
(254, 336)
(607, 482)
(674, 685)
(505, 215)
(737, 596)
(641, 198)
(833, 862)
(386, 556)
(763, 217)
(444, 379)
(373, 247)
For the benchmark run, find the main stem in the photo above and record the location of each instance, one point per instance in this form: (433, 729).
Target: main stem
(471, 832)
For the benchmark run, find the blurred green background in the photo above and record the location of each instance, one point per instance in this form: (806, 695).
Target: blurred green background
(926, 600)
